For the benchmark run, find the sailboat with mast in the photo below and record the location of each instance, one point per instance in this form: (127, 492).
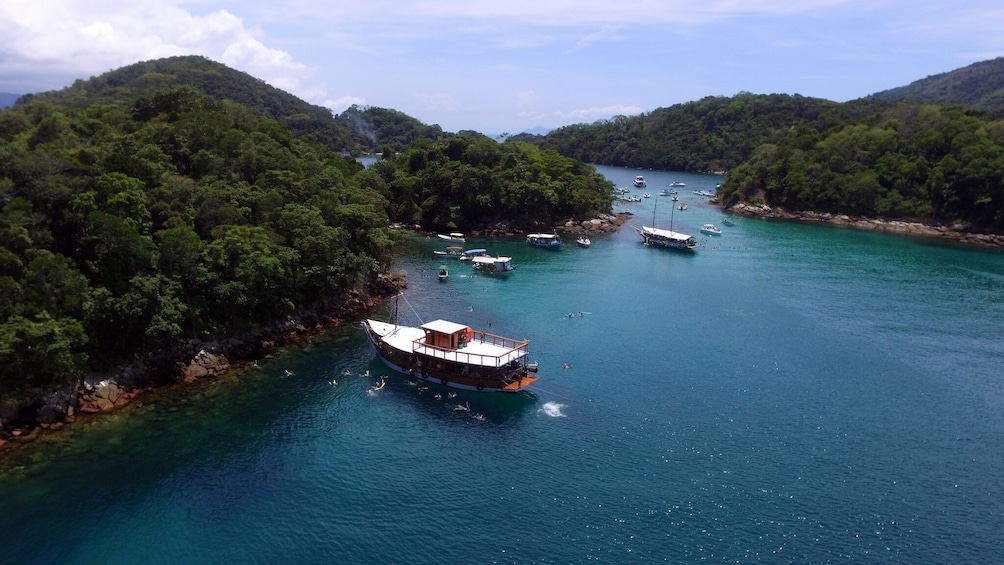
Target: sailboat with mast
(454, 355)
(666, 238)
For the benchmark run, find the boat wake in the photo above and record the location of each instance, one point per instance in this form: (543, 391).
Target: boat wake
(553, 409)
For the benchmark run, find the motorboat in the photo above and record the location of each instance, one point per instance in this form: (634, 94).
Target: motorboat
(677, 183)
(583, 240)
(492, 265)
(451, 252)
(711, 229)
(472, 253)
(667, 238)
(453, 236)
(545, 240)
(453, 354)
(646, 195)
(444, 273)
(639, 181)
(683, 206)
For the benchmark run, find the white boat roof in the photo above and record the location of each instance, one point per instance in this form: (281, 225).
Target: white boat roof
(665, 233)
(478, 250)
(543, 235)
(443, 326)
(490, 259)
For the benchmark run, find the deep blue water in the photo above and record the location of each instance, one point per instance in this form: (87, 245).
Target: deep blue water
(787, 394)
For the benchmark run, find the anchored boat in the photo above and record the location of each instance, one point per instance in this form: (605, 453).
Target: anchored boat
(454, 355)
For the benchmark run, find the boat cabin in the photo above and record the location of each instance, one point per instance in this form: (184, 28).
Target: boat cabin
(447, 335)
(471, 253)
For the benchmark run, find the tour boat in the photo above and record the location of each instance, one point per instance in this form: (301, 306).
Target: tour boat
(667, 238)
(545, 240)
(453, 236)
(454, 355)
(492, 265)
(639, 181)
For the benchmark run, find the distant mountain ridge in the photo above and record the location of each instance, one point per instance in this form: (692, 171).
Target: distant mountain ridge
(354, 130)
(980, 85)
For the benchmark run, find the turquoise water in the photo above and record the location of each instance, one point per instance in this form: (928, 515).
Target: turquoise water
(786, 394)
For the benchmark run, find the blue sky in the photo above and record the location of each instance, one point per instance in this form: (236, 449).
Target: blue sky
(500, 66)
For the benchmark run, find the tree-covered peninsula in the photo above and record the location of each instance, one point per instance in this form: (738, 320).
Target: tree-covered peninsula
(941, 164)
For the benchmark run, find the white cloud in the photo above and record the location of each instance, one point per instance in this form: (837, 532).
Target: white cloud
(56, 41)
(339, 105)
(599, 113)
(527, 96)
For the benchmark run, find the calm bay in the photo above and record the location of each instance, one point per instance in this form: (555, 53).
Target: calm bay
(788, 393)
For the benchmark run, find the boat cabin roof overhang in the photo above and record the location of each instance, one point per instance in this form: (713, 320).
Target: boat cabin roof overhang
(444, 327)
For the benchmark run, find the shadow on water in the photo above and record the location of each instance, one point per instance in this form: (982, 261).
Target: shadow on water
(445, 404)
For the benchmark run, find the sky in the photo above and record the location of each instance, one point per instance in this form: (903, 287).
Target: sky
(508, 66)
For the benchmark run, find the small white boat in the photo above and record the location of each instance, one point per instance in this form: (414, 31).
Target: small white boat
(444, 273)
(683, 206)
(453, 252)
(545, 240)
(639, 181)
(583, 240)
(677, 183)
(711, 229)
(675, 198)
(646, 195)
(453, 236)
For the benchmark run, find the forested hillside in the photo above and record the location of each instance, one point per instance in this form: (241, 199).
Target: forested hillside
(714, 133)
(471, 181)
(980, 85)
(359, 130)
(916, 162)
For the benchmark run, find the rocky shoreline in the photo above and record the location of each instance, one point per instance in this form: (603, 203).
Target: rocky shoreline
(959, 233)
(44, 411)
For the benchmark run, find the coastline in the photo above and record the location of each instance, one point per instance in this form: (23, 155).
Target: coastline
(961, 234)
(42, 412)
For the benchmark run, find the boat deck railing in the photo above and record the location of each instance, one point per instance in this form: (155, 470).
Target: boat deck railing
(484, 349)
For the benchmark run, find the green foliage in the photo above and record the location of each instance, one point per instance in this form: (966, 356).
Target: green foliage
(183, 217)
(714, 133)
(470, 181)
(980, 85)
(915, 162)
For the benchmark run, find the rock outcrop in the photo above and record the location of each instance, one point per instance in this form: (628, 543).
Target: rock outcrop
(188, 362)
(958, 233)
